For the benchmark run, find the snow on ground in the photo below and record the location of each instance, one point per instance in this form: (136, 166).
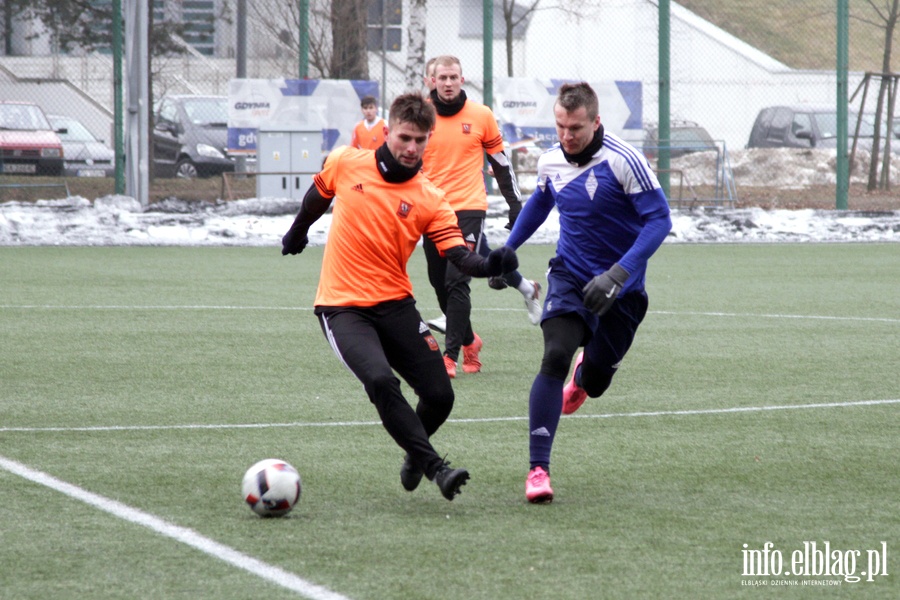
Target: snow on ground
(120, 221)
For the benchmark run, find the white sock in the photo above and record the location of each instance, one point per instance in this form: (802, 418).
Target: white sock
(526, 288)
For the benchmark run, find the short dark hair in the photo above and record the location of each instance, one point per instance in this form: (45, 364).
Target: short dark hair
(573, 96)
(412, 108)
(368, 101)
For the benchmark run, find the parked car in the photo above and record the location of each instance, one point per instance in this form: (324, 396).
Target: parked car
(524, 155)
(85, 155)
(28, 144)
(806, 127)
(684, 137)
(190, 137)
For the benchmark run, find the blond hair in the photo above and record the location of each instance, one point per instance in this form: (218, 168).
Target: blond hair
(447, 60)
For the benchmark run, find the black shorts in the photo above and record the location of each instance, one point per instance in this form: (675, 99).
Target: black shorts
(372, 341)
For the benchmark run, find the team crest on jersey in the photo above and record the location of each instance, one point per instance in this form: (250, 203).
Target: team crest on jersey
(590, 185)
(466, 128)
(404, 209)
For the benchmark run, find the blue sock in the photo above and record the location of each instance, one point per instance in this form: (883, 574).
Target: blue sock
(544, 409)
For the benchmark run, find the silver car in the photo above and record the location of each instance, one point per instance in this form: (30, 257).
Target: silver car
(85, 155)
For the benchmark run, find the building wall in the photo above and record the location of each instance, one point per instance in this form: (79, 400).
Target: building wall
(716, 80)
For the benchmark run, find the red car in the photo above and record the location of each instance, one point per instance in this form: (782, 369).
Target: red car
(28, 143)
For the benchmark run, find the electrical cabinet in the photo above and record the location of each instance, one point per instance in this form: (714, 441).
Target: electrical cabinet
(287, 159)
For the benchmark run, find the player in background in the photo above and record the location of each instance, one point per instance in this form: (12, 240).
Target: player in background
(613, 216)
(465, 131)
(383, 205)
(530, 289)
(368, 133)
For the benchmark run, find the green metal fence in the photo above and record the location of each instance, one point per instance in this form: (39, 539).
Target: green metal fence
(726, 61)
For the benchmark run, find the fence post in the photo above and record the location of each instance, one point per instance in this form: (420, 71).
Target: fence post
(488, 69)
(843, 165)
(119, 145)
(137, 131)
(663, 134)
(303, 71)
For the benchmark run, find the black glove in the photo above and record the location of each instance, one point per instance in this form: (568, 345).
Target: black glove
(497, 283)
(514, 210)
(293, 242)
(602, 290)
(502, 260)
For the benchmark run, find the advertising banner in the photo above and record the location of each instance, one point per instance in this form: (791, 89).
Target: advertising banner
(331, 105)
(524, 108)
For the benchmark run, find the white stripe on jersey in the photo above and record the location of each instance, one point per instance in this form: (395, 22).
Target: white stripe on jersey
(626, 162)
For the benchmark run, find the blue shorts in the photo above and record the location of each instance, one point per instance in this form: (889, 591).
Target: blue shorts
(609, 337)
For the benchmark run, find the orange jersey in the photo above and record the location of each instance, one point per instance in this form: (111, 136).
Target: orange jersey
(368, 139)
(454, 157)
(375, 227)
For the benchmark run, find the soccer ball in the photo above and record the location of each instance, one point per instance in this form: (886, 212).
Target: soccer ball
(271, 487)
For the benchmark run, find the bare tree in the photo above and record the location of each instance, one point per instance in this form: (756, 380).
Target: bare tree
(280, 21)
(512, 18)
(12, 9)
(415, 44)
(337, 34)
(349, 54)
(320, 37)
(84, 26)
(517, 15)
(886, 18)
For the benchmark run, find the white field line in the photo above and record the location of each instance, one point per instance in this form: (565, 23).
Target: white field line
(475, 309)
(184, 535)
(773, 316)
(272, 573)
(659, 413)
(275, 574)
(145, 307)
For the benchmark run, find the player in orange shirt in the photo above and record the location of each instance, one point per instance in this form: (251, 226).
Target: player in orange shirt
(383, 205)
(368, 133)
(530, 289)
(464, 132)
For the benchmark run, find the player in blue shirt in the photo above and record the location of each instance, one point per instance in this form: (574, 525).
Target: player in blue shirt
(613, 215)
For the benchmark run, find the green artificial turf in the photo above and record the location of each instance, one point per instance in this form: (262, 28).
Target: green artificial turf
(759, 403)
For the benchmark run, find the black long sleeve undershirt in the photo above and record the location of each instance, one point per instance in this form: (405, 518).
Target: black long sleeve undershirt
(312, 207)
(468, 262)
(506, 181)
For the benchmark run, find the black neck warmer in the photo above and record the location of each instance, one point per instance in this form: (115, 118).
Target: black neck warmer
(584, 157)
(390, 169)
(448, 109)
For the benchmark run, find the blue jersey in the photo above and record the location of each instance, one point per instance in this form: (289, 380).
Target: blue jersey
(610, 210)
